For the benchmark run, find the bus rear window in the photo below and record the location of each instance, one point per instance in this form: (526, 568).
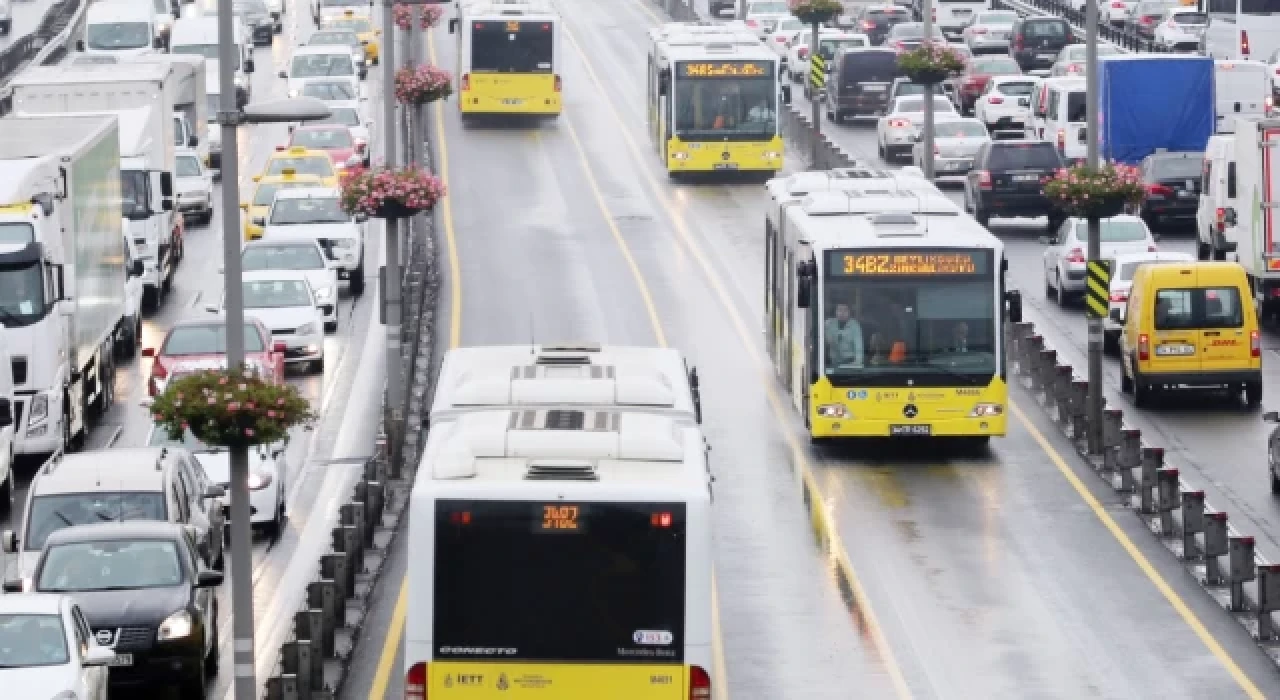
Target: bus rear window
(559, 581)
(528, 49)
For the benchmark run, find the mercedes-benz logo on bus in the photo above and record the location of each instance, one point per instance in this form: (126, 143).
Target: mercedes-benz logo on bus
(105, 637)
(724, 156)
(910, 410)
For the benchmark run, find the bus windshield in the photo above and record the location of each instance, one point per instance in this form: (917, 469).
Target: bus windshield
(924, 316)
(560, 582)
(728, 109)
(530, 49)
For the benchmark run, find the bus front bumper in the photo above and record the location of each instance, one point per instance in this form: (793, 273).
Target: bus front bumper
(724, 156)
(950, 427)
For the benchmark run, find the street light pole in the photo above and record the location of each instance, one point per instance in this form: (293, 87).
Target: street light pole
(391, 270)
(1095, 402)
(814, 103)
(927, 140)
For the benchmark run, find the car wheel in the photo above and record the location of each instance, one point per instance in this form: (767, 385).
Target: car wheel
(276, 526)
(317, 366)
(1062, 291)
(211, 660)
(219, 564)
(6, 491)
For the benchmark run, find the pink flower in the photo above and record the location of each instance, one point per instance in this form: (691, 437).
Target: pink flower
(248, 432)
(271, 414)
(222, 380)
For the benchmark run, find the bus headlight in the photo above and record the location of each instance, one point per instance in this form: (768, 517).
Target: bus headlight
(986, 409)
(680, 155)
(833, 410)
(771, 155)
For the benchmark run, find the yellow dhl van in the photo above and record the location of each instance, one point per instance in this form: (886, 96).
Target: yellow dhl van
(1190, 324)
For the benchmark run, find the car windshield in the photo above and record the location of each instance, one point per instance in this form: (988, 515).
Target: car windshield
(997, 18)
(320, 166)
(53, 512)
(210, 339)
(1114, 231)
(251, 7)
(330, 90)
(111, 36)
(19, 232)
(1034, 155)
(276, 294)
(188, 166)
(959, 130)
(343, 3)
(358, 25)
(1190, 18)
(1168, 168)
(1051, 28)
(996, 67)
(909, 104)
(323, 139)
(28, 640)
(297, 256)
(913, 30)
(22, 293)
(772, 8)
(333, 38)
(1017, 89)
(311, 210)
(110, 565)
(266, 192)
(318, 65)
(347, 116)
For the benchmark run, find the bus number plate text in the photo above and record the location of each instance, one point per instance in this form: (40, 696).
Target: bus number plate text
(911, 429)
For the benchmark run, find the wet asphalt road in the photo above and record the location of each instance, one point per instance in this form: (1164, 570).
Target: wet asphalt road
(322, 463)
(986, 576)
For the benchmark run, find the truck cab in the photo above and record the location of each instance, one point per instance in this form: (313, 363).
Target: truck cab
(120, 28)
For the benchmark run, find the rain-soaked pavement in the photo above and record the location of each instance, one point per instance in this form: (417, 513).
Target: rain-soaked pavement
(953, 577)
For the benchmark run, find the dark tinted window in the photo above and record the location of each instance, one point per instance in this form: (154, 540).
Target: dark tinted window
(1023, 156)
(887, 15)
(1047, 28)
(1198, 308)
(1163, 168)
(1190, 18)
(207, 340)
(1077, 110)
(495, 50)
(594, 582)
(868, 67)
(996, 66)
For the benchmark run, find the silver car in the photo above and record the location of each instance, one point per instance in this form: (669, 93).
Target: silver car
(896, 131)
(990, 31)
(955, 142)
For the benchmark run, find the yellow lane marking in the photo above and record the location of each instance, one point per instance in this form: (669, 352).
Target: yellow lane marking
(820, 508)
(1179, 606)
(387, 659)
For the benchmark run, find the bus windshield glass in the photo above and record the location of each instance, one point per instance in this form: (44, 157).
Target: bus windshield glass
(734, 101)
(559, 581)
(927, 316)
(496, 49)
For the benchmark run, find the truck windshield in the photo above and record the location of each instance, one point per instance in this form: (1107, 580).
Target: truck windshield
(22, 297)
(134, 194)
(16, 232)
(111, 36)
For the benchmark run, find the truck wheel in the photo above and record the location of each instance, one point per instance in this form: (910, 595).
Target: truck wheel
(1203, 251)
(6, 491)
(107, 390)
(357, 280)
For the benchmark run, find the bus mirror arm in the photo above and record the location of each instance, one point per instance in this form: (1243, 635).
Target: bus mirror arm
(1014, 300)
(453, 25)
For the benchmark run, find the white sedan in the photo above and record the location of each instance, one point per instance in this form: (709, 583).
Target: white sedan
(47, 649)
(1005, 104)
(350, 113)
(340, 235)
(267, 469)
(283, 301)
(301, 254)
(829, 42)
(956, 141)
(896, 131)
(1181, 28)
(1117, 12)
(763, 16)
(193, 184)
(1064, 259)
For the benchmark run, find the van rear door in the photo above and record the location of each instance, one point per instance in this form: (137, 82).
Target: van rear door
(1176, 341)
(1241, 89)
(1224, 339)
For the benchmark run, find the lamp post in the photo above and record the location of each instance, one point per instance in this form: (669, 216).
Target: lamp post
(927, 140)
(230, 117)
(390, 282)
(1095, 400)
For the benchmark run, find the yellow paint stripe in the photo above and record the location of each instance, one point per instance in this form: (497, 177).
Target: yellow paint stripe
(1180, 606)
(1096, 287)
(387, 659)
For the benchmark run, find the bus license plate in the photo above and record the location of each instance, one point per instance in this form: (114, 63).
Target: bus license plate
(122, 660)
(512, 101)
(726, 166)
(1175, 350)
(912, 429)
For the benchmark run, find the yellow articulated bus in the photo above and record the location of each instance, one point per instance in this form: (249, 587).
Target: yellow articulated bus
(507, 57)
(713, 101)
(560, 553)
(886, 309)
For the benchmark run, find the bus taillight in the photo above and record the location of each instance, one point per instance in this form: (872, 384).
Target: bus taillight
(1244, 44)
(466, 82)
(415, 682)
(699, 683)
(660, 519)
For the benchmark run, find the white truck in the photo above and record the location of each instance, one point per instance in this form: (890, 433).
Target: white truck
(62, 273)
(190, 98)
(1251, 221)
(143, 95)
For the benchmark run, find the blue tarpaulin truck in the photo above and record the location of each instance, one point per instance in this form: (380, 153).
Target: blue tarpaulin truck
(1150, 101)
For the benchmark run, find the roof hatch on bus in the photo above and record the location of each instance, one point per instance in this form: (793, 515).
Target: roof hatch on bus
(560, 380)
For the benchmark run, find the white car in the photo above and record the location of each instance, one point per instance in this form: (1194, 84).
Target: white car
(955, 142)
(267, 469)
(342, 37)
(193, 184)
(829, 41)
(48, 650)
(350, 113)
(284, 302)
(1064, 259)
(783, 34)
(131, 325)
(304, 255)
(989, 31)
(1005, 104)
(763, 16)
(315, 213)
(1122, 269)
(1180, 28)
(896, 131)
(1117, 12)
(312, 62)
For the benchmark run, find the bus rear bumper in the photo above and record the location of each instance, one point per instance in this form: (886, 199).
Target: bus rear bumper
(478, 104)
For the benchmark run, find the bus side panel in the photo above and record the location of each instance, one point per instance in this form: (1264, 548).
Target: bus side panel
(497, 680)
(509, 93)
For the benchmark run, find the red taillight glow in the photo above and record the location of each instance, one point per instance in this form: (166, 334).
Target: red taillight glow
(1062, 140)
(1244, 43)
(1255, 344)
(1117, 5)
(460, 518)
(360, 146)
(1144, 346)
(1220, 219)
(802, 52)
(415, 682)
(660, 519)
(984, 179)
(979, 30)
(1075, 256)
(1158, 190)
(899, 123)
(699, 683)
(1146, 19)
(780, 39)
(281, 148)
(466, 81)
(752, 23)
(1119, 296)
(1152, 248)
(995, 100)
(1017, 43)
(868, 24)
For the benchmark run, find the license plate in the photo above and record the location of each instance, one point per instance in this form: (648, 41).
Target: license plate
(1048, 56)
(1024, 101)
(121, 660)
(913, 429)
(1026, 178)
(1175, 350)
(1186, 194)
(512, 101)
(874, 88)
(999, 35)
(726, 166)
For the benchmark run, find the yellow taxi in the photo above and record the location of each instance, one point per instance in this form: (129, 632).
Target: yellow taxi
(302, 161)
(362, 25)
(264, 191)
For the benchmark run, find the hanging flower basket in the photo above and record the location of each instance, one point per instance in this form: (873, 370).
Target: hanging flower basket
(930, 64)
(428, 16)
(815, 11)
(1102, 192)
(230, 408)
(390, 194)
(418, 85)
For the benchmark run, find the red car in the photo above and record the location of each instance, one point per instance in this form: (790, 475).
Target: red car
(975, 78)
(334, 139)
(195, 345)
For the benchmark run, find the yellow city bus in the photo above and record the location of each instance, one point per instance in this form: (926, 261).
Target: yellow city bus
(713, 102)
(885, 310)
(507, 57)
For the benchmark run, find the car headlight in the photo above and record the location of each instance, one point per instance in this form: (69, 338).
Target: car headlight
(833, 410)
(176, 626)
(39, 409)
(259, 481)
(308, 328)
(324, 293)
(986, 409)
(293, 92)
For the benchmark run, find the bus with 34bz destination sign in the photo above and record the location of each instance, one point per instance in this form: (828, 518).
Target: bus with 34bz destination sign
(507, 58)
(890, 312)
(713, 103)
(560, 553)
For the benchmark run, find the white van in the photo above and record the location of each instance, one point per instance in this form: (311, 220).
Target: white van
(6, 429)
(952, 16)
(1065, 117)
(119, 28)
(1217, 199)
(198, 36)
(1241, 89)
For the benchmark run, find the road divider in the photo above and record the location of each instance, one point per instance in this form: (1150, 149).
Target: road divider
(797, 129)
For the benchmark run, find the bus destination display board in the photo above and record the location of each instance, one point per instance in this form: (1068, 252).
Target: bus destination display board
(725, 69)
(894, 263)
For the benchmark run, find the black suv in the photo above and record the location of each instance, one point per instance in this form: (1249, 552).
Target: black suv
(146, 595)
(1006, 181)
(1173, 188)
(859, 82)
(1036, 41)
(876, 20)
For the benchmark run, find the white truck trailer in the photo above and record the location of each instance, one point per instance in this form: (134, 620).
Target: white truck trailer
(187, 85)
(1252, 225)
(62, 273)
(146, 150)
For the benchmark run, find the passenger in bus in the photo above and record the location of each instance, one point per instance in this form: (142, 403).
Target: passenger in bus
(844, 338)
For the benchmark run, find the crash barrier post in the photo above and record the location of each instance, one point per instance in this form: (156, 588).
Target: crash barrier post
(1112, 434)
(1192, 523)
(1168, 498)
(1152, 463)
(1242, 568)
(1215, 547)
(1268, 600)
(1062, 377)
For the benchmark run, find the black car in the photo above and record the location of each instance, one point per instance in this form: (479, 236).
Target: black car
(1173, 188)
(1006, 181)
(859, 82)
(144, 593)
(909, 36)
(256, 15)
(1035, 42)
(876, 20)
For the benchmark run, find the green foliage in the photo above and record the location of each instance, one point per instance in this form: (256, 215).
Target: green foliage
(815, 11)
(930, 64)
(1102, 192)
(230, 409)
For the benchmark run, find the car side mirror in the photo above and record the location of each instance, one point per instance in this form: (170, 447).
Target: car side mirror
(248, 65)
(97, 655)
(148, 352)
(282, 74)
(193, 141)
(1229, 217)
(215, 491)
(208, 579)
(453, 27)
(6, 413)
(157, 43)
(1271, 417)
(259, 221)
(137, 269)
(1114, 315)
(80, 45)
(14, 585)
(9, 541)
(279, 346)
(1013, 300)
(212, 308)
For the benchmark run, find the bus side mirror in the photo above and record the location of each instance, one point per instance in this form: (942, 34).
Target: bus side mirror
(786, 94)
(804, 284)
(1229, 217)
(1231, 180)
(1114, 315)
(1014, 300)
(453, 25)
(664, 81)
